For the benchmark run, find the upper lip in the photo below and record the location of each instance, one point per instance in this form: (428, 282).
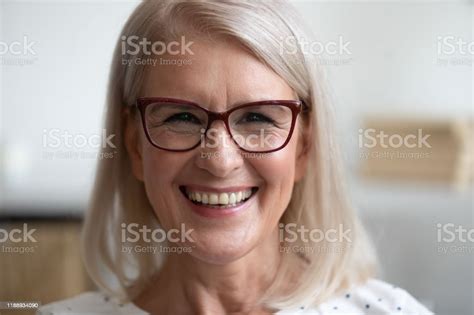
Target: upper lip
(217, 190)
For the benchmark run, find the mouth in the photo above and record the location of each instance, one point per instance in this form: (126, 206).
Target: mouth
(218, 199)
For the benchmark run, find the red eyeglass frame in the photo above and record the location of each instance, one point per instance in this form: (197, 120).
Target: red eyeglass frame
(295, 106)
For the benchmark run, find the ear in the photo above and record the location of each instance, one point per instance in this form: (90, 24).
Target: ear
(133, 142)
(303, 150)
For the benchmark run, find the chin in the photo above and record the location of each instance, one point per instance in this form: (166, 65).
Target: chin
(220, 247)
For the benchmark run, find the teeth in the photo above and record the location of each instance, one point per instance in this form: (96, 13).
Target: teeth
(239, 196)
(232, 198)
(213, 199)
(222, 199)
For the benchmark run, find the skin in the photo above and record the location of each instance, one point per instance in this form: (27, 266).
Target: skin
(233, 259)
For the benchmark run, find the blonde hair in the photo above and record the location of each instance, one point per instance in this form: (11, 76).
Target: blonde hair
(318, 200)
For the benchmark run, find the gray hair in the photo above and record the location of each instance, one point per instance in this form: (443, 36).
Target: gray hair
(318, 200)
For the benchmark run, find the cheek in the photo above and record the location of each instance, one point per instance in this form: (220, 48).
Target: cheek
(278, 168)
(160, 169)
(278, 172)
(158, 163)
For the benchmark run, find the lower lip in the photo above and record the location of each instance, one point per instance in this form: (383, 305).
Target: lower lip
(209, 212)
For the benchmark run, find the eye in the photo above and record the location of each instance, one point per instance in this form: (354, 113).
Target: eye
(256, 117)
(183, 117)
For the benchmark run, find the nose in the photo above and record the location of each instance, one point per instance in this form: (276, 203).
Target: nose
(218, 154)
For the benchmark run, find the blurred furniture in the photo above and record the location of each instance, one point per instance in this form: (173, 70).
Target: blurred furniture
(394, 149)
(47, 270)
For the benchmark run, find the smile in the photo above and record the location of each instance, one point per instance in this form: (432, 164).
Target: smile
(216, 199)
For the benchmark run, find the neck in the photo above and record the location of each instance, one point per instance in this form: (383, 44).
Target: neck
(186, 284)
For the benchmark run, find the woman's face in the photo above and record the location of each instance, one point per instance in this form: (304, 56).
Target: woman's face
(222, 75)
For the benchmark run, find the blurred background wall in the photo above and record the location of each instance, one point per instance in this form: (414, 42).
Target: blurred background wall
(390, 65)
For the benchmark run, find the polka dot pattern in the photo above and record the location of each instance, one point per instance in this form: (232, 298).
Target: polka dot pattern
(375, 297)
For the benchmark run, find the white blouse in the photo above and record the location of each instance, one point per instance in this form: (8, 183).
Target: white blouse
(374, 297)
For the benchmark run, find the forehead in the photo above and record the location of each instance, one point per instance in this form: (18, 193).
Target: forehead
(218, 72)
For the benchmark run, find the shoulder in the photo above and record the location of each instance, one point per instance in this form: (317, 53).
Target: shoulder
(375, 297)
(372, 297)
(89, 303)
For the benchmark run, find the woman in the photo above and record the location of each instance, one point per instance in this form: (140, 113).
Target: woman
(224, 194)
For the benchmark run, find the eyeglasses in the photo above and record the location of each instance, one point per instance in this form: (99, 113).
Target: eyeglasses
(179, 125)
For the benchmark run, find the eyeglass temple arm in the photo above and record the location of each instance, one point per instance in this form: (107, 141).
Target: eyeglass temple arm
(305, 107)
